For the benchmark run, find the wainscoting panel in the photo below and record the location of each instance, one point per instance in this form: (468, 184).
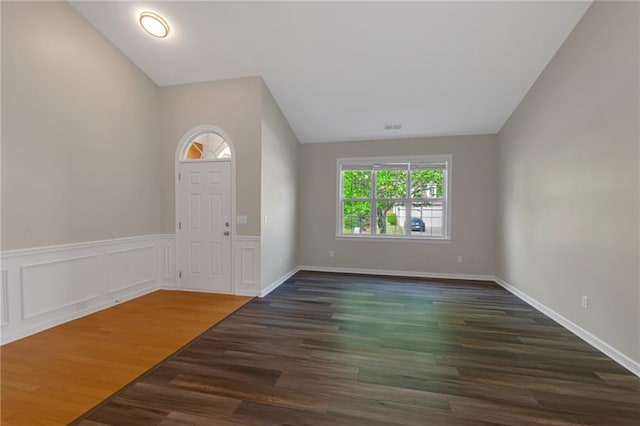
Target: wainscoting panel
(247, 266)
(4, 298)
(167, 260)
(55, 285)
(247, 260)
(130, 268)
(46, 286)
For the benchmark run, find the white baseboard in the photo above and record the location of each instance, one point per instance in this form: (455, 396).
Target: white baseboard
(277, 283)
(594, 341)
(8, 338)
(396, 273)
(122, 269)
(246, 293)
(42, 287)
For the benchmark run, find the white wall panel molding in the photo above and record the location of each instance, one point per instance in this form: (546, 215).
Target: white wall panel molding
(55, 285)
(46, 286)
(4, 300)
(131, 267)
(116, 242)
(166, 260)
(246, 259)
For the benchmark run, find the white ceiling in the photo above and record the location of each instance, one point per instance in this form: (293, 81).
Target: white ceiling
(342, 70)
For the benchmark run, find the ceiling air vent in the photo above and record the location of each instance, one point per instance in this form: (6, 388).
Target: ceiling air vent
(392, 126)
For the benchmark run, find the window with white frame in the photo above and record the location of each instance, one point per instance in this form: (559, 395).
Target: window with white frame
(394, 197)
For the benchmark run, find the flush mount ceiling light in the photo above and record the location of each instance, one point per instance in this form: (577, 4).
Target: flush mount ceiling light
(154, 24)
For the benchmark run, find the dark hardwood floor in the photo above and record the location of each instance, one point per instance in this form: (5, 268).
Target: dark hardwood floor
(329, 349)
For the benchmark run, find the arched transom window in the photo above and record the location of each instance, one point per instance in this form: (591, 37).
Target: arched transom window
(207, 146)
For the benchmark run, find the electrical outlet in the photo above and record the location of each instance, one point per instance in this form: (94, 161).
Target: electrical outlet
(584, 302)
(266, 219)
(331, 253)
(459, 259)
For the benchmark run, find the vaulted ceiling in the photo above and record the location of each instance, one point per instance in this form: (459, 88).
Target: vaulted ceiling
(343, 70)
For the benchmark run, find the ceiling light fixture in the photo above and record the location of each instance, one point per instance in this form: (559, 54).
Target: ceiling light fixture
(154, 24)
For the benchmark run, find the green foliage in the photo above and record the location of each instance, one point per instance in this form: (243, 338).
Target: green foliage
(356, 214)
(390, 184)
(350, 221)
(392, 219)
(427, 183)
(356, 184)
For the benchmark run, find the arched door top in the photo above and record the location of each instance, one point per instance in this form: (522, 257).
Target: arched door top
(205, 143)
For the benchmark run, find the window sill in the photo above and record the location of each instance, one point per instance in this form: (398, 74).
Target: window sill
(441, 240)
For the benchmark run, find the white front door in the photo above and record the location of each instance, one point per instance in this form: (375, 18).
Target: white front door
(203, 237)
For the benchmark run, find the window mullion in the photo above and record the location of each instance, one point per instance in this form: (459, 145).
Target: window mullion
(340, 217)
(445, 205)
(408, 212)
(445, 223)
(374, 203)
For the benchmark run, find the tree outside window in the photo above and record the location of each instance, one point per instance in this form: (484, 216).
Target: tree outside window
(400, 198)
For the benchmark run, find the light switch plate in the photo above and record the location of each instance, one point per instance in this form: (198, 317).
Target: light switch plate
(241, 220)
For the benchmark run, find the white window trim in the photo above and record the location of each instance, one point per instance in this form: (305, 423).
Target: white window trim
(447, 184)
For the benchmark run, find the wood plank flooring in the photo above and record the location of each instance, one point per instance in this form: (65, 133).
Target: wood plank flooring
(53, 377)
(328, 349)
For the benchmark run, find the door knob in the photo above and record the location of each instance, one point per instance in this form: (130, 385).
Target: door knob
(226, 233)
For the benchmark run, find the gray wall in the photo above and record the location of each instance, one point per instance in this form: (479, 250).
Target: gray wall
(474, 208)
(79, 134)
(233, 106)
(279, 249)
(569, 180)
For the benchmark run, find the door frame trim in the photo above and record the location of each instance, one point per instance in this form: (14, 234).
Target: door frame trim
(180, 150)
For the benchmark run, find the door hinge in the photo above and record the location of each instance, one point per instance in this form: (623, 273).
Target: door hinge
(179, 225)
(180, 274)
(179, 176)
